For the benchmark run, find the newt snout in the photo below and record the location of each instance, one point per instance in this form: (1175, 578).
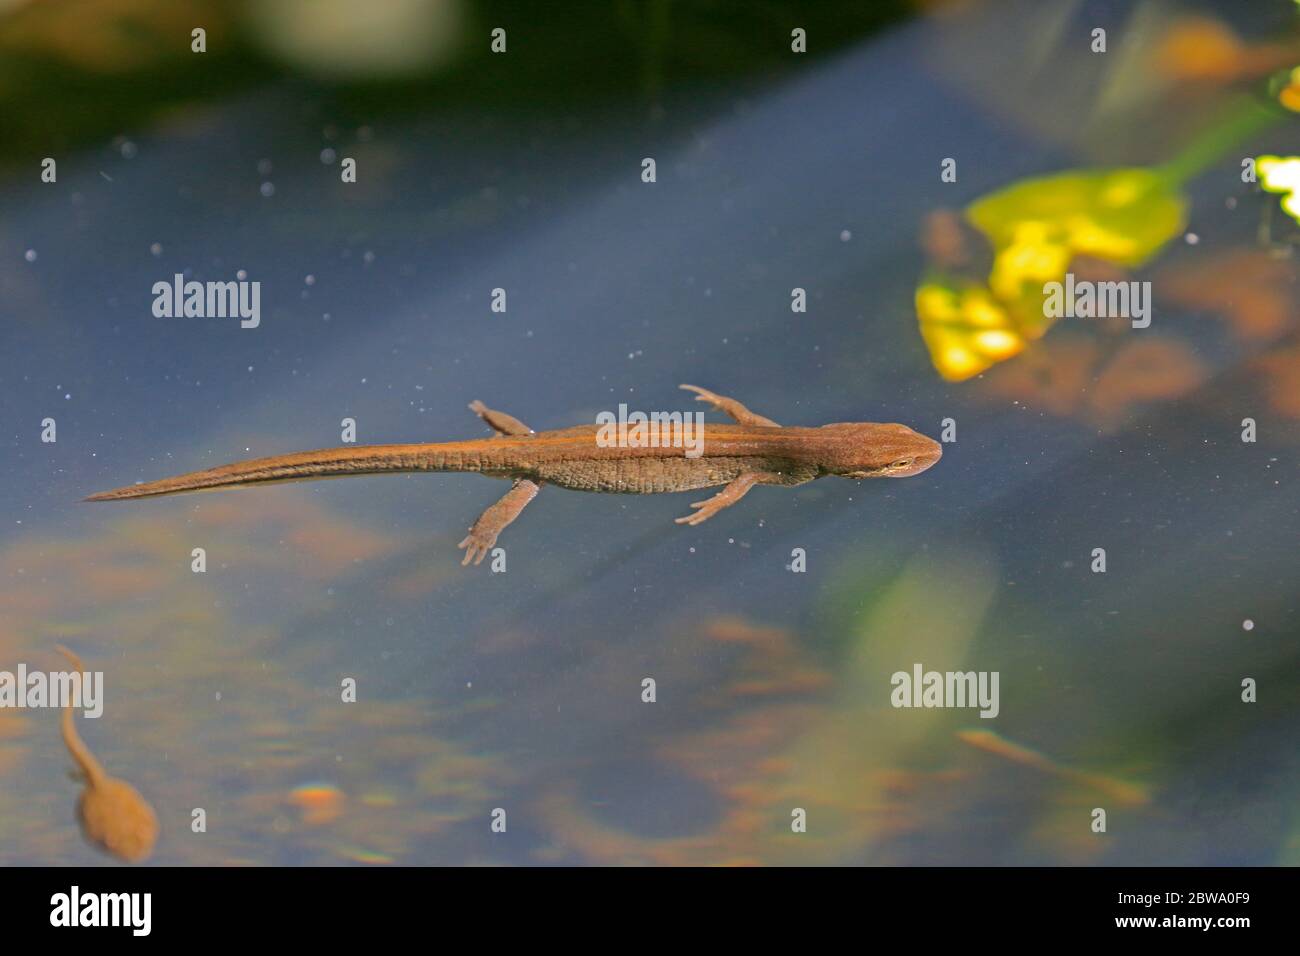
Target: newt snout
(871, 450)
(928, 451)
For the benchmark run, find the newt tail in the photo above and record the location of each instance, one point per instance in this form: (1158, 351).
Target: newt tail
(307, 465)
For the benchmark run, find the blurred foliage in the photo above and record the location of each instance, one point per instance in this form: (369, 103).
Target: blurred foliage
(77, 72)
(1251, 289)
(1289, 94)
(1037, 228)
(1120, 215)
(1098, 381)
(1281, 174)
(965, 328)
(1099, 223)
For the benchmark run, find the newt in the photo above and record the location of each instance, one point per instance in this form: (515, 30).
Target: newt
(113, 815)
(753, 451)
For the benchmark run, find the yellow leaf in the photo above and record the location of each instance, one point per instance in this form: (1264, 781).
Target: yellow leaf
(1281, 174)
(1037, 228)
(1119, 215)
(965, 329)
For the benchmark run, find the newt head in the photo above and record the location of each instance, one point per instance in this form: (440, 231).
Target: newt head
(871, 450)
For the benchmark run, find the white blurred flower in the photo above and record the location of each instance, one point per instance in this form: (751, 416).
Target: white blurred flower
(343, 38)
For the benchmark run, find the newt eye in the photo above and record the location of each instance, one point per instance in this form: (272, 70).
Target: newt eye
(901, 463)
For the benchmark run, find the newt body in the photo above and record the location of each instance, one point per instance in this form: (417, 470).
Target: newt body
(754, 450)
(113, 815)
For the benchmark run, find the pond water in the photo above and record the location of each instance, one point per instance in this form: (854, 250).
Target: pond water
(484, 697)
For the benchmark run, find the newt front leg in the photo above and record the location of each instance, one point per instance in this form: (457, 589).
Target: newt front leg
(729, 406)
(501, 423)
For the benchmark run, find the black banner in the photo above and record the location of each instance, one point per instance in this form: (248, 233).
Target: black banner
(214, 906)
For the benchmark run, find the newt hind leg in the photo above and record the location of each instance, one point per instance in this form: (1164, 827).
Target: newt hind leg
(725, 498)
(738, 487)
(483, 535)
(502, 423)
(729, 406)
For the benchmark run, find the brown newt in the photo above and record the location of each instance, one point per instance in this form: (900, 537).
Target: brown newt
(755, 450)
(114, 817)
